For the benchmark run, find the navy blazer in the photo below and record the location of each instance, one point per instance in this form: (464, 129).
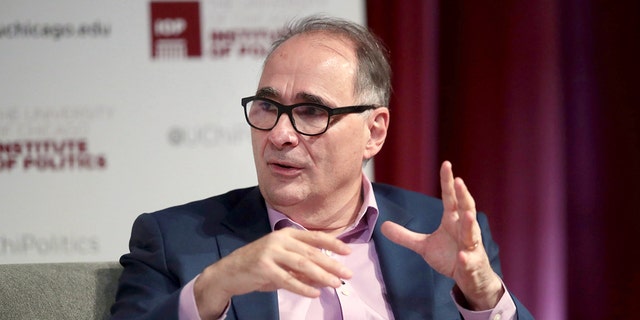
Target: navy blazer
(170, 247)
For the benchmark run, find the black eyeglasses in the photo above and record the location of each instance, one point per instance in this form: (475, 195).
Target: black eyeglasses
(310, 119)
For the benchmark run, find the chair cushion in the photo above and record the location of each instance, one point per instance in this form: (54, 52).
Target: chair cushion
(58, 290)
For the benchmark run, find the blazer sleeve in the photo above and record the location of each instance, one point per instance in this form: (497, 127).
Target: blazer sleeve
(146, 288)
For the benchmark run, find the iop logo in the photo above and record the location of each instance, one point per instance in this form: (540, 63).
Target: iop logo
(175, 30)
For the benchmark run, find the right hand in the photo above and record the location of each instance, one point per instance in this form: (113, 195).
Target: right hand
(288, 259)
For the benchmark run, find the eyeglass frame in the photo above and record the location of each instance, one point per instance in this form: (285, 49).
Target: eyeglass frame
(287, 109)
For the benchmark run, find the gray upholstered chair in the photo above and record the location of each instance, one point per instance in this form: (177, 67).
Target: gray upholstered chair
(58, 290)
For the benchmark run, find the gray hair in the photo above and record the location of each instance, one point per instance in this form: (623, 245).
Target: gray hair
(373, 73)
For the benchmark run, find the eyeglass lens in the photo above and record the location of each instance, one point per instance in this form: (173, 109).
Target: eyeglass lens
(308, 119)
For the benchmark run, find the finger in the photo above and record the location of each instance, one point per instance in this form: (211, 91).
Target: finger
(308, 258)
(314, 245)
(322, 240)
(447, 186)
(402, 236)
(463, 196)
(469, 230)
(290, 281)
(470, 233)
(472, 236)
(313, 271)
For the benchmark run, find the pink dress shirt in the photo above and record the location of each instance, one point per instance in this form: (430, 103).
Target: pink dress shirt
(359, 297)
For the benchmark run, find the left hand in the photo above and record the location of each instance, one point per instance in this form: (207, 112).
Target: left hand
(455, 249)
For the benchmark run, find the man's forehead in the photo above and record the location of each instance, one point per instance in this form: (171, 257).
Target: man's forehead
(333, 41)
(311, 67)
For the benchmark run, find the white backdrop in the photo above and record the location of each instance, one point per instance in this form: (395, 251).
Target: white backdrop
(95, 129)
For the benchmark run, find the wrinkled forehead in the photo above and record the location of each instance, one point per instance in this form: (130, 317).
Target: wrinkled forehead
(312, 63)
(335, 42)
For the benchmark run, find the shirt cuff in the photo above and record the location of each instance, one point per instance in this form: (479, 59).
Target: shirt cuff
(187, 308)
(505, 309)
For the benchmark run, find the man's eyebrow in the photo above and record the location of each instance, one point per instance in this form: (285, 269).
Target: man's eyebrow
(272, 93)
(308, 97)
(267, 92)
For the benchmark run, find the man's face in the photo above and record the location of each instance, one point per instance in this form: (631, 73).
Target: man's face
(302, 172)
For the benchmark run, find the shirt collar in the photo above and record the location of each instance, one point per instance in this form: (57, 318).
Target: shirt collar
(360, 231)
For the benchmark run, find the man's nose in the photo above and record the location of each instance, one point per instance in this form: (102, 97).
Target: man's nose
(283, 133)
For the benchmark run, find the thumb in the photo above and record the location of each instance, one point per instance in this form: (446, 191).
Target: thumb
(403, 236)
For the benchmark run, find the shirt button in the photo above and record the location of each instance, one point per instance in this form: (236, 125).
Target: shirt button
(497, 316)
(345, 292)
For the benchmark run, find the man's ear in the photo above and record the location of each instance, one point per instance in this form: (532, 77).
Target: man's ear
(378, 124)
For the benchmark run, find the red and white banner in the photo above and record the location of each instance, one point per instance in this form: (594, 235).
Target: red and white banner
(109, 109)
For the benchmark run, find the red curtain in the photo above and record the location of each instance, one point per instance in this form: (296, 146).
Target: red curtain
(535, 104)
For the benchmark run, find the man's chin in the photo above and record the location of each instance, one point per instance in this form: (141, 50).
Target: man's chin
(284, 195)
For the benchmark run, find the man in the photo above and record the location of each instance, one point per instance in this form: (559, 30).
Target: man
(316, 239)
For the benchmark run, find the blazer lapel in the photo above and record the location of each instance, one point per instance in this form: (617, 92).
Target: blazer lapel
(246, 223)
(408, 279)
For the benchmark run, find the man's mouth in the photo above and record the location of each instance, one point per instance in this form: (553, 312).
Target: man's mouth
(284, 166)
